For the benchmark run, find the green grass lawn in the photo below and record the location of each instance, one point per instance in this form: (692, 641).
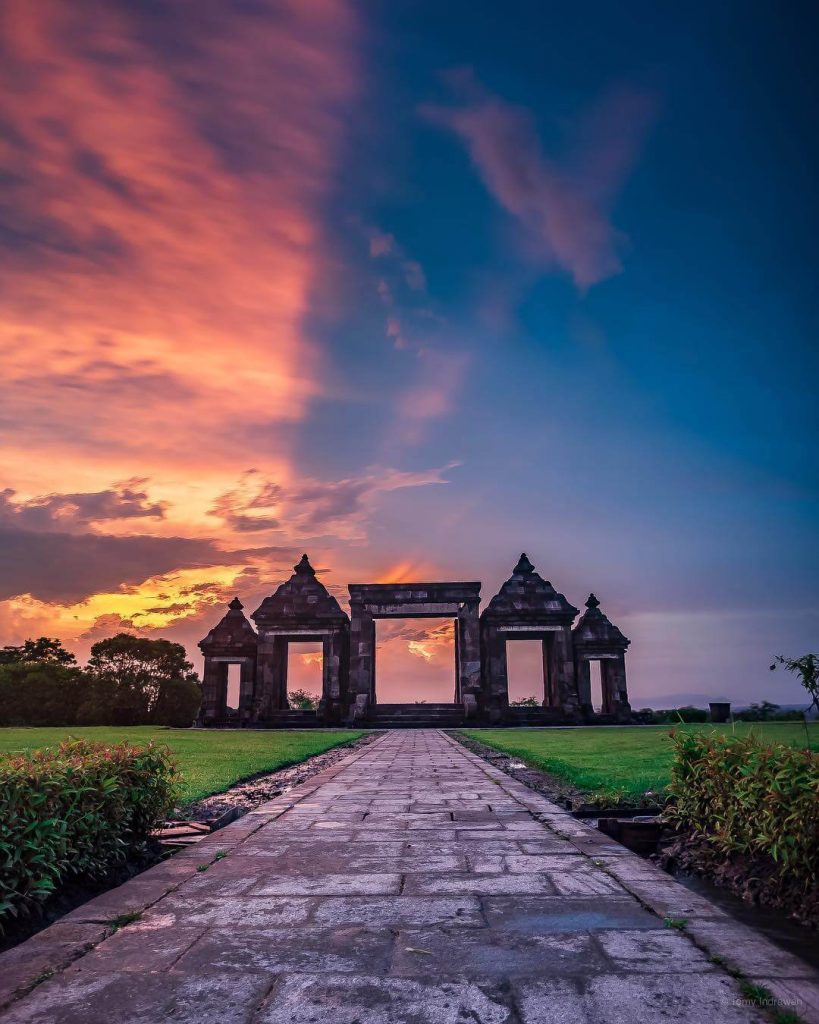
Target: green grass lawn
(632, 759)
(210, 760)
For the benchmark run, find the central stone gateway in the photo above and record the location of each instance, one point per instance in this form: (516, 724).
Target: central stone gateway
(371, 601)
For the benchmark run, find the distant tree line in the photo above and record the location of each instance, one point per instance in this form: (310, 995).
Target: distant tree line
(129, 680)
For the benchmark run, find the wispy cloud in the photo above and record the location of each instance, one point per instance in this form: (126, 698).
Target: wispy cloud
(438, 380)
(313, 507)
(562, 203)
(70, 512)
(162, 231)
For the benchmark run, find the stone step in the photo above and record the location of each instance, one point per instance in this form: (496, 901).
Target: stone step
(413, 708)
(437, 717)
(412, 723)
(295, 719)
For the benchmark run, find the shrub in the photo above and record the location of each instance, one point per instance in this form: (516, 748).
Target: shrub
(302, 700)
(688, 714)
(77, 811)
(743, 796)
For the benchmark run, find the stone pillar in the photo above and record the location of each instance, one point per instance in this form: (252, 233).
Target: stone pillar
(495, 675)
(247, 687)
(468, 647)
(564, 682)
(335, 655)
(279, 688)
(455, 632)
(362, 656)
(583, 672)
(263, 705)
(550, 698)
(615, 693)
(214, 692)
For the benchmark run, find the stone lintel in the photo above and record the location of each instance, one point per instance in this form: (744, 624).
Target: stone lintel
(532, 628)
(414, 593)
(301, 633)
(414, 611)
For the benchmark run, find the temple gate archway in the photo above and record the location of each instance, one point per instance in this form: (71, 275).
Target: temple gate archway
(371, 601)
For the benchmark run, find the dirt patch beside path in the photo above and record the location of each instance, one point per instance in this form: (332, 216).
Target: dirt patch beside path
(244, 796)
(562, 793)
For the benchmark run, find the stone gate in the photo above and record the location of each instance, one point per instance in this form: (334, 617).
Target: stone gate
(525, 607)
(371, 601)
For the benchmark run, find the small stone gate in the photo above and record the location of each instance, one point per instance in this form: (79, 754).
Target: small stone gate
(526, 607)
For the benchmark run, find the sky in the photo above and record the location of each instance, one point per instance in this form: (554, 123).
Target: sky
(413, 287)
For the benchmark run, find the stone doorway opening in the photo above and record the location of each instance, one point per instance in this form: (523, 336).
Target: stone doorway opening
(596, 683)
(305, 667)
(525, 668)
(537, 650)
(416, 661)
(233, 692)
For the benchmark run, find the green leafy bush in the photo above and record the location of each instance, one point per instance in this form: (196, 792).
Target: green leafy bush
(76, 812)
(688, 714)
(746, 797)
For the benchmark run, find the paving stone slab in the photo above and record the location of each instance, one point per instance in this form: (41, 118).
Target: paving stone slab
(330, 885)
(237, 912)
(746, 949)
(547, 914)
(488, 953)
(87, 998)
(353, 948)
(347, 999)
(45, 953)
(630, 998)
(477, 884)
(142, 948)
(794, 995)
(401, 911)
(652, 951)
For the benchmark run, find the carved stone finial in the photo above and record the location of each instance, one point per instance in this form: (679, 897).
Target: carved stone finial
(524, 566)
(304, 568)
(592, 602)
(236, 605)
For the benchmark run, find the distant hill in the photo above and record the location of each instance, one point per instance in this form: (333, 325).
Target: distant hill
(699, 700)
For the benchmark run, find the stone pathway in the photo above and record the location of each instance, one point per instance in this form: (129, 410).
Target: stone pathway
(409, 883)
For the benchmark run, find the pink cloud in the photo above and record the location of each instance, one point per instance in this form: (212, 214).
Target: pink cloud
(381, 244)
(164, 223)
(562, 205)
(434, 392)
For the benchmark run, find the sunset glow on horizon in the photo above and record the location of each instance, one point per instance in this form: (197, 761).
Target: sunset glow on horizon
(411, 289)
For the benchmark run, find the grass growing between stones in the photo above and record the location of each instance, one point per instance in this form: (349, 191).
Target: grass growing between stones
(624, 762)
(210, 760)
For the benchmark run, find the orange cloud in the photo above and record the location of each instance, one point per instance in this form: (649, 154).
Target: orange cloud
(435, 643)
(165, 233)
